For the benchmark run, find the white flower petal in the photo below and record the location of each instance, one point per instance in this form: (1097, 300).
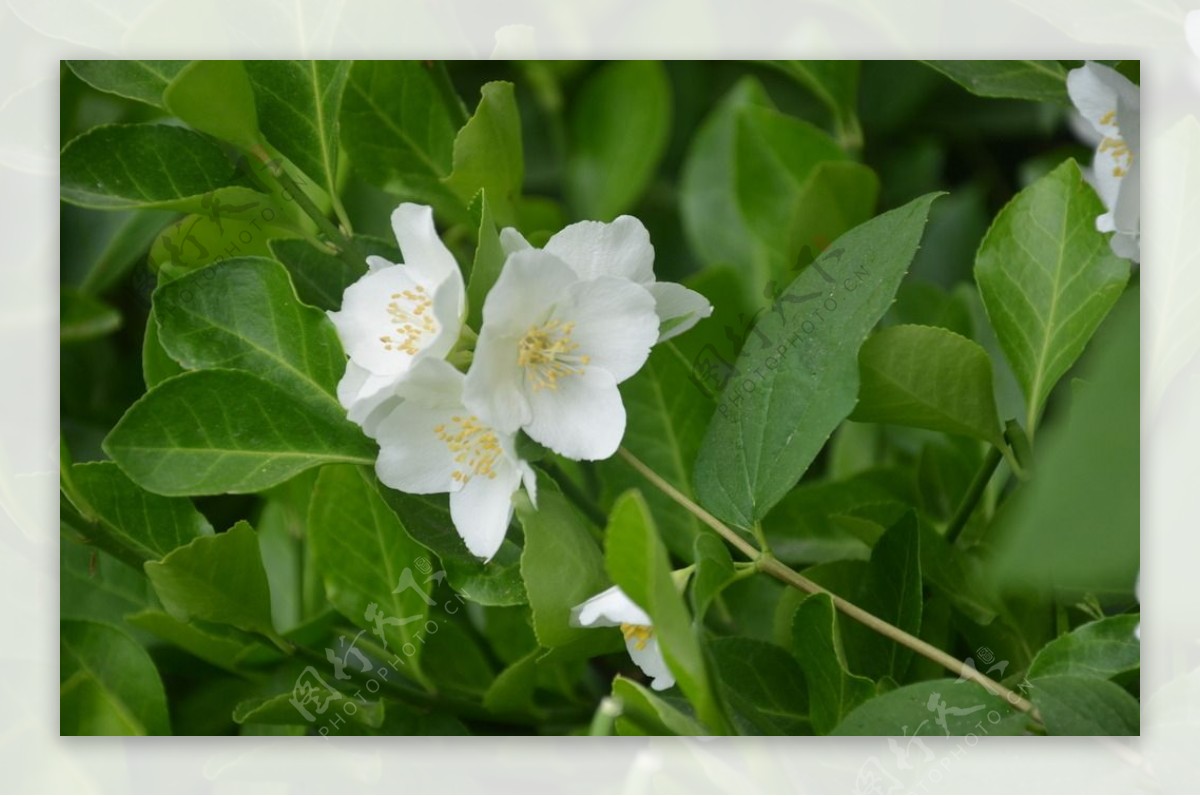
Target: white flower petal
(649, 658)
(678, 308)
(366, 317)
(366, 396)
(614, 324)
(1127, 246)
(376, 263)
(483, 508)
(424, 253)
(610, 608)
(494, 385)
(512, 241)
(582, 417)
(531, 278)
(592, 249)
(528, 480)
(411, 456)
(1094, 89)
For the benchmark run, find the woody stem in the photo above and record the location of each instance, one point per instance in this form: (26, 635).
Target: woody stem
(780, 571)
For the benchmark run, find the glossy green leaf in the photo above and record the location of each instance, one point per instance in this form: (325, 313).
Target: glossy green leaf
(124, 166)
(934, 707)
(763, 686)
(320, 279)
(619, 125)
(835, 83)
(650, 713)
(512, 690)
(215, 644)
(488, 261)
(83, 317)
(1041, 81)
(214, 431)
(157, 365)
(455, 661)
(832, 690)
(638, 562)
(97, 587)
(216, 579)
(370, 566)
(427, 520)
(124, 250)
(298, 105)
(1048, 278)
(487, 153)
(757, 446)
(1101, 649)
(127, 521)
(665, 418)
(279, 708)
(1084, 706)
(398, 133)
(242, 313)
(144, 81)
(108, 684)
(215, 97)
(223, 231)
(958, 575)
(930, 378)
(562, 566)
(714, 571)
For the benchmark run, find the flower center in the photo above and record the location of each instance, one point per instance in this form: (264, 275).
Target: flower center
(547, 353)
(474, 445)
(1116, 144)
(411, 318)
(640, 633)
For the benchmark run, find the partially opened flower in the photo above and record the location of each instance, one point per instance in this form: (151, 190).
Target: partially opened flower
(430, 443)
(613, 608)
(397, 314)
(553, 348)
(621, 249)
(1111, 104)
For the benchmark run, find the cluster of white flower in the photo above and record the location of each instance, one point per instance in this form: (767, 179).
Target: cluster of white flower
(562, 327)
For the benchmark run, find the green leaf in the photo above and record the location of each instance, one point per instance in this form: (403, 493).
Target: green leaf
(487, 153)
(619, 125)
(144, 81)
(1084, 706)
(215, 644)
(215, 97)
(214, 431)
(320, 279)
(298, 105)
(398, 133)
(665, 419)
(1048, 278)
(124, 166)
(455, 661)
(242, 313)
(97, 587)
(1101, 649)
(714, 571)
(129, 522)
(367, 561)
(488, 262)
(217, 579)
(562, 566)
(157, 365)
(221, 232)
(891, 591)
(958, 575)
(763, 686)
(1078, 531)
(835, 83)
(427, 520)
(512, 690)
(83, 317)
(108, 684)
(124, 249)
(280, 709)
(652, 714)
(638, 563)
(930, 378)
(832, 690)
(934, 707)
(1041, 81)
(758, 445)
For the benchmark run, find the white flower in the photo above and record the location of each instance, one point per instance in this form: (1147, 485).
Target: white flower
(430, 443)
(621, 249)
(395, 315)
(613, 608)
(552, 350)
(1111, 104)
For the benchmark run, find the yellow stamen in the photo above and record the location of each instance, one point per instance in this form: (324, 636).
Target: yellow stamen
(410, 314)
(642, 633)
(547, 353)
(1120, 152)
(474, 445)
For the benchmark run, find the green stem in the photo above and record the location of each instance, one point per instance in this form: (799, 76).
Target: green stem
(780, 571)
(606, 715)
(966, 508)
